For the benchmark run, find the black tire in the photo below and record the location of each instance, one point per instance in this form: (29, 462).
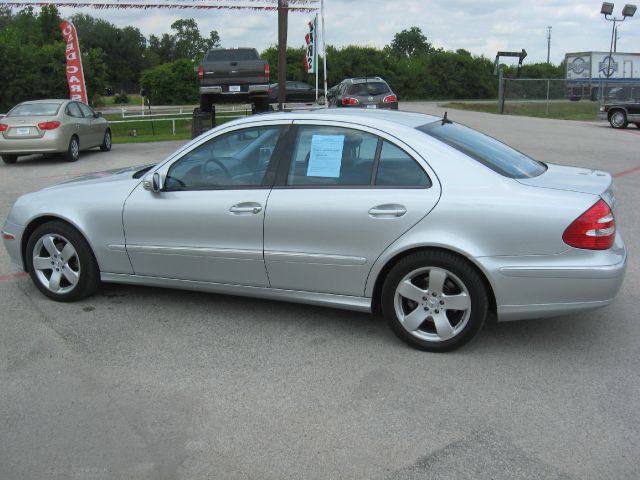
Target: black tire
(9, 159)
(638, 125)
(457, 276)
(82, 262)
(73, 152)
(107, 141)
(618, 118)
(206, 102)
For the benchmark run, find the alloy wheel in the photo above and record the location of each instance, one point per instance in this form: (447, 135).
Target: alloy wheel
(432, 304)
(56, 263)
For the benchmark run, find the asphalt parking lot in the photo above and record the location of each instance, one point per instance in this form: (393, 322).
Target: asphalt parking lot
(143, 383)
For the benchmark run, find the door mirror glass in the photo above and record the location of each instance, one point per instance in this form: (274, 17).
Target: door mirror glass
(97, 114)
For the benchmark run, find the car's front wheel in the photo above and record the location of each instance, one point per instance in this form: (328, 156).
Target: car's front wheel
(73, 151)
(106, 141)
(9, 159)
(618, 119)
(434, 300)
(60, 262)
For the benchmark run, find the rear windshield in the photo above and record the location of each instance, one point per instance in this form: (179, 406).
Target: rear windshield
(369, 88)
(232, 55)
(29, 109)
(486, 150)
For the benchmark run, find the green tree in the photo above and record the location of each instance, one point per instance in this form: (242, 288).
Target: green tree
(410, 43)
(171, 84)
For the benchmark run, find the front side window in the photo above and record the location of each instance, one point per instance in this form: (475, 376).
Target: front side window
(490, 152)
(324, 155)
(397, 169)
(232, 160)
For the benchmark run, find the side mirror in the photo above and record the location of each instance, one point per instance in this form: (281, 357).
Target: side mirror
(97, 114)
(152, 182)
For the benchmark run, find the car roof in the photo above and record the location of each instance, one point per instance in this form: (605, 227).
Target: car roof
(353, 115)
(364, 80)
(51, 100)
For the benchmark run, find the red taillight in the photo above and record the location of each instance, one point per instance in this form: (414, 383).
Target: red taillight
(390, 98)
(4, 127)
(201, 72)
(266, 71)
(595, 229)
(350, 101)
(49, 125)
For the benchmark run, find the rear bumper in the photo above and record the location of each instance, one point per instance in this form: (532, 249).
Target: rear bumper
(246, 90)
(54, 144)
(563, 284)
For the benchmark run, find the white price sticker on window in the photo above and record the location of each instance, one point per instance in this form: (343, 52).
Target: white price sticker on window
(325, 157)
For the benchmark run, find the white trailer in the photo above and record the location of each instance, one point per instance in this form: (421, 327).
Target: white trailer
(592, 74)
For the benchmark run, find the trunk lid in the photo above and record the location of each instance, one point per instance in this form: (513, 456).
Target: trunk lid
(574, 179)
(23, 127)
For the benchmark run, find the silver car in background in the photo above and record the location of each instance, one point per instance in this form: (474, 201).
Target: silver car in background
(430, 222)
(52, 126)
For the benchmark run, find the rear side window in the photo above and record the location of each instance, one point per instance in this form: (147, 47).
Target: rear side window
(232, 55)
(487, 150)
(73, 110)
(332, 156)
(369, 88)
(28, 109)
(397, 169)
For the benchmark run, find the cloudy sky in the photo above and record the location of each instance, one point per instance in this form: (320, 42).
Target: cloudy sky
(480, 26)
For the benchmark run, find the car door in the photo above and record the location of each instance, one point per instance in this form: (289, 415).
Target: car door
(79, 123)
(206, 224)
(95, 125)
(344, 197)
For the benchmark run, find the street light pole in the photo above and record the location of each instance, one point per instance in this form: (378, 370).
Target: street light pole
(607, 10)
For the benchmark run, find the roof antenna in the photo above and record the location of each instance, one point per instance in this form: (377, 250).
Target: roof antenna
(445, 119)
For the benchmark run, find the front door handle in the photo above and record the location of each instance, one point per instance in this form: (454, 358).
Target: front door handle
(389, 210)
(246, 208)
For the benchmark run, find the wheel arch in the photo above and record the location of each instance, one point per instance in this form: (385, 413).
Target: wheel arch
(38, 221)
(391, 262)
(612, 110)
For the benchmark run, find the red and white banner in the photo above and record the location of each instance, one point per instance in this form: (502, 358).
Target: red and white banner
(75, 74)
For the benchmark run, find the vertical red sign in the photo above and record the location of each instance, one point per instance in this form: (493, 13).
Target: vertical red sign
(75, 74)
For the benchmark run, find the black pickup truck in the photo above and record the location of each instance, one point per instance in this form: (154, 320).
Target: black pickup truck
(233, 75)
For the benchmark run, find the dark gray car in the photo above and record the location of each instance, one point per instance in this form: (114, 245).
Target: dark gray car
(363, 92)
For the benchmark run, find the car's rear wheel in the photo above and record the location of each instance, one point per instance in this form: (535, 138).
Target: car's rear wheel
(434, 300)
(73, 152)
(9, 159)
(618, 119)
(638, 125)
(106, 141)
(60, 262)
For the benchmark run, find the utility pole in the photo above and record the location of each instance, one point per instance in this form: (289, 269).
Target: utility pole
(615, 40)
(283, 17)
(548, 43)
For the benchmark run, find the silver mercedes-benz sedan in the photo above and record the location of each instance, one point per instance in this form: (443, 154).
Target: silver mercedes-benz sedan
(430, 222)
(52, 126)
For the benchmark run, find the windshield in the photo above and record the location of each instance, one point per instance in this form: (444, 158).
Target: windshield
(486, 150)
(29, 109)
(232, 55)
(369, 88)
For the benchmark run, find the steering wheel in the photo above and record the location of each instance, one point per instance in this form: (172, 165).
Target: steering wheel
(220, 165)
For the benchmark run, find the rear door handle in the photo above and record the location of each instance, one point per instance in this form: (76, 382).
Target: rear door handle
(389, 210)
(246, 208)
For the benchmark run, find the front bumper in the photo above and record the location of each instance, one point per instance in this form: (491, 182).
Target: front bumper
(546, 286)
(13, 246)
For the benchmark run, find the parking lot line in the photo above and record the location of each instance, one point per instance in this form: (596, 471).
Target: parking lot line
(626, 172)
